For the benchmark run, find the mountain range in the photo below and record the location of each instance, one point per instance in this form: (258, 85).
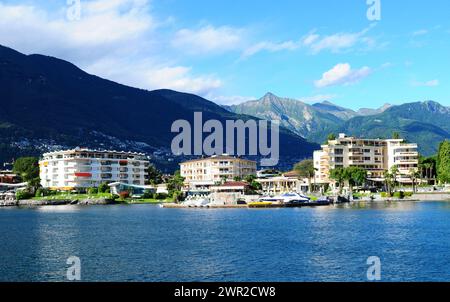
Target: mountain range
(47, 103)
(427, 123)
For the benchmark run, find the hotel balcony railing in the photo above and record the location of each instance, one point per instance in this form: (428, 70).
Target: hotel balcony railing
(407, 154)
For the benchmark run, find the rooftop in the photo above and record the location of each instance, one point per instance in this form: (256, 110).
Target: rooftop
(217, 157)
(87, 150)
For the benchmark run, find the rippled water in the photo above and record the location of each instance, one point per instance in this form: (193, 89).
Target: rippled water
(148, 243)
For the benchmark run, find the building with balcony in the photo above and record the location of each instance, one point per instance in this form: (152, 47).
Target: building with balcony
(286, 183)
(201, 174)
(373, 155)
(85, 168)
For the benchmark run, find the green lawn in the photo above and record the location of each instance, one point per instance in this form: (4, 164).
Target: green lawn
(72, 196)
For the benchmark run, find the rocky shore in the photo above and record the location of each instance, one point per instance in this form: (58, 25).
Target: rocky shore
(35, 203)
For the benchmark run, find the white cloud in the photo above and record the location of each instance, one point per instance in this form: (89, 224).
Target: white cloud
(420, 32)
(115, 39)
(431, 83)
(208, 39)
(270, 47)
(315, 43)
(341, 41)
(342, 74)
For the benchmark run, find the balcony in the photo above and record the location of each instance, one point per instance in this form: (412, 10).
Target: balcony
(83, 174)
(416, 154)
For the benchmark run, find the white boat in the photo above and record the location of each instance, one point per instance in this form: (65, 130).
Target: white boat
(197, 202)
(286, 198)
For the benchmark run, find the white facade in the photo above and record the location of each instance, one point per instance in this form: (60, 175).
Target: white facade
(85, 168)
(373, 155)
(203, 173)
(283, 184)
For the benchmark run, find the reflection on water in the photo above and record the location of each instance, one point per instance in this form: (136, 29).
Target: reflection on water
(148, 243)
(380, 205)
(59, 209)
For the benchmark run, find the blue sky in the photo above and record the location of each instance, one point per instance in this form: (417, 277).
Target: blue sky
(230, 51)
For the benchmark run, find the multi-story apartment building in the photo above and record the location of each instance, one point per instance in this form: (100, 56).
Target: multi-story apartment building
(85, 168)
(374, 155)
(201, 174)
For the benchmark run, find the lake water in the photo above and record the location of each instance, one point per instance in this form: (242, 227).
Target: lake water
(148, 243)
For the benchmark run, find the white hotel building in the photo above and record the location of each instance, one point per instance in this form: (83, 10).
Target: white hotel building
(85, 168)
(373, 155)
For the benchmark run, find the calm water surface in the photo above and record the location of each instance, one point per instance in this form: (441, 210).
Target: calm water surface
(148, 243)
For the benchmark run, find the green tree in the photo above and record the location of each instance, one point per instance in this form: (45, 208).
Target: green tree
(356, 176)
(339, 177)
(250, 178)
(253, 184)
(237, 178)
(103, 188)
(428, 167)
(305, 169)
(27, 168)
(330, 137)
(154, 175)
(396, 135)
(394, 173)
(414, 174)
(388, 181)
(175, 183)
(443, 162)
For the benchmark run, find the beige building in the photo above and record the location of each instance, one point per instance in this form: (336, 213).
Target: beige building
(373, 155)
(201, 174)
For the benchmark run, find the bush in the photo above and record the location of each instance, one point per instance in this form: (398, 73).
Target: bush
(408, 194)
(41, 192)
(147, 194)
(23, 195)
(161, 196)
(385, 194)
(124, 195)
(177, 196)
(103, 188)
(399, 194)
(92, 191)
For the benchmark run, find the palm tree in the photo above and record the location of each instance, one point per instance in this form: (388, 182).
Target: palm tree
(394, 172)
(388, 179)
(414, 174)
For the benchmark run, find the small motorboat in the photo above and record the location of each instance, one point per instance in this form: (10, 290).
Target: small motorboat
(287, 199)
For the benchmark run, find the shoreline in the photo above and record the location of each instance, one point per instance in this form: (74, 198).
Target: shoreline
(426, 197)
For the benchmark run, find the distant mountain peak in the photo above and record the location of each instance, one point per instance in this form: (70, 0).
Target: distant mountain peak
(327, 103)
